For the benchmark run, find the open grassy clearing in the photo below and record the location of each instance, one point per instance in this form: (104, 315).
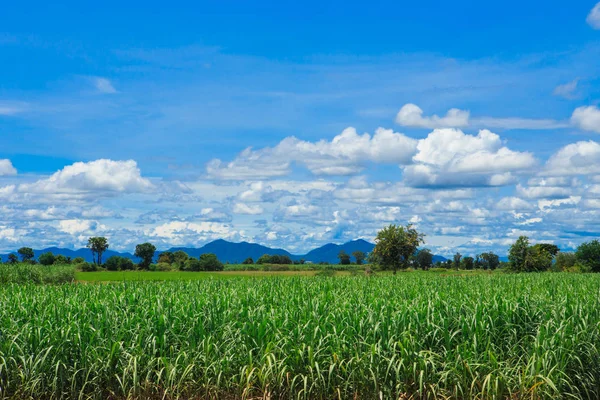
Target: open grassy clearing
(425, 335)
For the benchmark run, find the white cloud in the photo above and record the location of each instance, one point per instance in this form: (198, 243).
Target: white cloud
(543, 192)
(449, 157)
(566, 90)
(513, 204)
(242, 208)
(94, 176)
(412, 115)
(103, 85)
(581, 158)
(76, 226)
(345, 154)
(587, 118)
(6, 168)
(593, 18)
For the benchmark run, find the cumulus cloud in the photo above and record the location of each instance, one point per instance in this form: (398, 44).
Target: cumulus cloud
(587, 118)
(192, 233)
(449, 157)
(345, 154)
(6, 168)
(104, 85)
(593, 18)
(95, 176)
(412, 115)
(513, 204)
(249, 209)
(78, 226)
(581, 158)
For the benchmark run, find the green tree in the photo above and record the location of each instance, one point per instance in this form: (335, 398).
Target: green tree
(489, 260)
(468, 263)
(145, 252)
(62, 260)
(344, 258)
(26, 253)
(588, 254)
(359, 256)
(165, 257)
(12, 258)
(394, 246)
(565, 261)
(551, 249)
(98, 245)
(179, 259)
(424, 259)
(456, 259)
(47, 258)
(210, 262)
(248, 260)
(517, 254)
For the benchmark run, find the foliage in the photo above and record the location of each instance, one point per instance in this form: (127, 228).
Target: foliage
(588, 254)
(47, 258)
(274, 259)
(456, 260)
(26, 253)
(565, 261)
(248, 260)
(489, 260)
(37, 274)
(525, 258)
(468, 263)
(165, 257)
(394, 246)
(78, 260)
(344, 258)
(145, 252)
(98, 245)
(425, 336)
(424, 259)
(192, 264)
(86, 267)
(210, 262)
(118, 263)
(359, 256)
(12, 258)
(62, 260)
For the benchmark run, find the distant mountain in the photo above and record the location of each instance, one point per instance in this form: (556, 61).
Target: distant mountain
(234, 252)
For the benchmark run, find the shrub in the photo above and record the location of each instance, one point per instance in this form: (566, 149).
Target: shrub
(86, 267)
(161, 266)
(192, 265)
(78, 260)
(248, 260)
(118, 263)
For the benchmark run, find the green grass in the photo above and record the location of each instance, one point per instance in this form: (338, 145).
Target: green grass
(40, 274)
(490, 336)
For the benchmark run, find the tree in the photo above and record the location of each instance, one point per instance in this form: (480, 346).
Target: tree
(489, 260)
(179, 259)
(248, 260)
(165, 257)
(359, 256)
(145, 252)
(344, 258)
(62, 260)
(468, 263)
(118, 263)
(424, 259)
(47, 258)
(98, 245)
(525, 258)
(12, 258)
(517, 254)
(210, 262)
(565, 261)
(456, 262)
(26, 253)
(394, 245)
(551, 249)
(588, 254)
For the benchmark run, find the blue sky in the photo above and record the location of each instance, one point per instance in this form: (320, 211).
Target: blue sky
(294, 125)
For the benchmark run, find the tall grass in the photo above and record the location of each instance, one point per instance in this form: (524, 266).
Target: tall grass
(426, 336)
(28, 273)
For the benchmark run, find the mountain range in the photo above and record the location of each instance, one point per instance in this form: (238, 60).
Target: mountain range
(234, 252)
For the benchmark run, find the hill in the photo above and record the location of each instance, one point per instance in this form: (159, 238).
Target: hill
(233, 252)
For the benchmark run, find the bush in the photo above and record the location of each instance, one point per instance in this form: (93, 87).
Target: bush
(62, 260)
(47, 259)
(192, 265)
(326, 272)
(86, 267)
(29, 273)
(78, 260)
(248, 260)
(161, 266)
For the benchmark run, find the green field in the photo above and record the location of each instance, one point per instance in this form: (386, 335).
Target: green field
(424, 335)
(116, 276)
